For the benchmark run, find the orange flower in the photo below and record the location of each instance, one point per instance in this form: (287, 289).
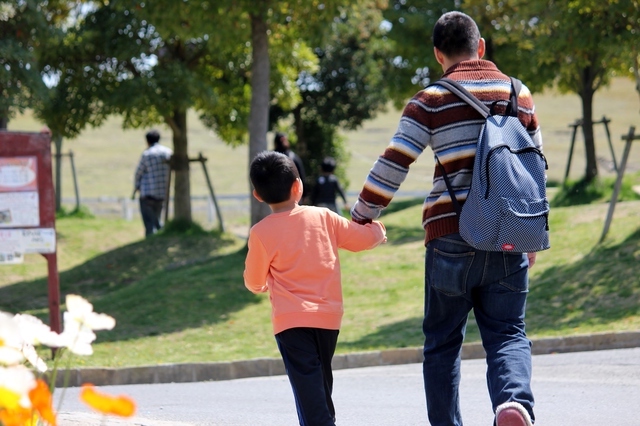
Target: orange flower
(42, 401)
(18, 416)
(118, 405)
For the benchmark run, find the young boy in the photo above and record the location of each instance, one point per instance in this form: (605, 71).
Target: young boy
(327, 187)
(293, 254)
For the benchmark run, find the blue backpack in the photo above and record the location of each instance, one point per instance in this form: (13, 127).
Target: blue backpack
(507, 208)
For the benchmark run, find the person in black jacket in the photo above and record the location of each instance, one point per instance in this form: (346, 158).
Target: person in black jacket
(327, 187)
(281, 144)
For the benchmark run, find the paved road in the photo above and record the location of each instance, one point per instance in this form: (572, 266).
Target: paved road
(572, 389)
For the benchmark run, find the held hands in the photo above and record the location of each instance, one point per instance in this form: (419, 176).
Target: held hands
(532, 259)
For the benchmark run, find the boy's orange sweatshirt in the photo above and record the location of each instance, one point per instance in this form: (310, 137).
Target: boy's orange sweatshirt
(294, 256)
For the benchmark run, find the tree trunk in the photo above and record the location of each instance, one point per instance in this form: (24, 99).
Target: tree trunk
(636, 69)
(180, 165)
(586, 94)
(4, 122)
(301, 141)
(259, 114)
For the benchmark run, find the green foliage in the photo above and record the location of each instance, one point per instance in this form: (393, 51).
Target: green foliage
(584, 41)
(598, 190)
(347, 87)
(323, 140)
(413, 64)
(23, 29)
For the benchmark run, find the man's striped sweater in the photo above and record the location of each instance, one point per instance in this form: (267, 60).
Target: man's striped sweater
(438, 119)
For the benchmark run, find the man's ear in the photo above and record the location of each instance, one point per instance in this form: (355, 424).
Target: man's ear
(439, 56)
(256, 196)
(481, 48)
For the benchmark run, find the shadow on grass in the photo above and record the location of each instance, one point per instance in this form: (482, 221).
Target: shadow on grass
(593, 292)
(598, 289)
(401, 334)
(159, 285)
(599, 190)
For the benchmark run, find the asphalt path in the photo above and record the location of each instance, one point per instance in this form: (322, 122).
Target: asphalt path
(572, 389)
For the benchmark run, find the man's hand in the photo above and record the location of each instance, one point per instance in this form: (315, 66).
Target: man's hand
(361, 221)
(532, 259)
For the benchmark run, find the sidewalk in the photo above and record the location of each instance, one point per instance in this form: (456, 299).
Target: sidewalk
(216, 371)
(591, 388)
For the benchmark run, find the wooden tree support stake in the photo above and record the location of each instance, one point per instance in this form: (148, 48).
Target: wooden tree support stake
(630, 137)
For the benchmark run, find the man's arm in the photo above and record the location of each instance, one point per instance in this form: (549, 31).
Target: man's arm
(392, 167)
(137, 179)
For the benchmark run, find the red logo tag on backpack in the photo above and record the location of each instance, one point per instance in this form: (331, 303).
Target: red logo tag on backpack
(508, 247)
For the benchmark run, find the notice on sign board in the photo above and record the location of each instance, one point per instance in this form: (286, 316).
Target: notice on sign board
(11, 258)
(19, 201)
(40, 240)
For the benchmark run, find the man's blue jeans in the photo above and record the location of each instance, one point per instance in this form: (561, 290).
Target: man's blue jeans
(459, 278)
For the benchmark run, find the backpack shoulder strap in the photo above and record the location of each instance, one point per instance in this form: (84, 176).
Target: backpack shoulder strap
(516, 85)
(458, 90)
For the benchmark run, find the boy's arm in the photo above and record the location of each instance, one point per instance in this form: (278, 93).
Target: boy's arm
(355, 237)
(256, 266)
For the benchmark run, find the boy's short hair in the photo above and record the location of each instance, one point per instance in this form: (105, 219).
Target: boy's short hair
(272, 174)
(456, 34)
(328, 164)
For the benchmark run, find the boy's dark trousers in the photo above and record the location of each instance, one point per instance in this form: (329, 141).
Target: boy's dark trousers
(307, 354)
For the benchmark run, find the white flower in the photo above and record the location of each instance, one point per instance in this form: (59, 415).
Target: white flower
(18, 380)
(82, 311)
(35, 332)
(29, 352)
(79, 323)
(10, 341)
(76, 336)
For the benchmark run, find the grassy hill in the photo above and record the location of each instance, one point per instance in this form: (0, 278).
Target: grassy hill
(182, 298)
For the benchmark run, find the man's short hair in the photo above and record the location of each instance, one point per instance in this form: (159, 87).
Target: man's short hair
(152, 137)
(272, 174)
(456, 34)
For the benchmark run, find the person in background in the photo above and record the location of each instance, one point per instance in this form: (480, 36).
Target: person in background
(327, 187)
(459, 278)
(293, 255)
(151, 180)
(281, 144)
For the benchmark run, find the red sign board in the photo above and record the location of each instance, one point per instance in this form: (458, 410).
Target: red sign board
(27, 204)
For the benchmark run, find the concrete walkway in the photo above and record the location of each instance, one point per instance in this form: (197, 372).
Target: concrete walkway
(591, 388)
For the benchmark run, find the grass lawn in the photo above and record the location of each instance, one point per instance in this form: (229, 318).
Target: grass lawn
(182, 299)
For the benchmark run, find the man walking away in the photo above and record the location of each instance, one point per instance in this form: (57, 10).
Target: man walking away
(151, 179)
(459, 278)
